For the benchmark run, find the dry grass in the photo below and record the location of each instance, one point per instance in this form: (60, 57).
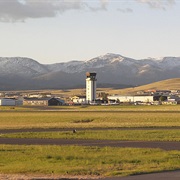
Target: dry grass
(169, 84)
(88, 119)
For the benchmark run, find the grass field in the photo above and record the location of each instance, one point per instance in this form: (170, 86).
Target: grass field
(130, 135)
(140, 108)
(75, 119)
(93, 161)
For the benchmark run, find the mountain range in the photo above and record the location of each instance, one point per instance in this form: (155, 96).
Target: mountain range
(113, 70)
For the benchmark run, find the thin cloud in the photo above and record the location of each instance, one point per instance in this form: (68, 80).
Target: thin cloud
(104, 4)
(20, 10)
(157, 4)
(126, 10)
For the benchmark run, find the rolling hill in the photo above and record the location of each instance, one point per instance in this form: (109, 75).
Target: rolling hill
(169, 84)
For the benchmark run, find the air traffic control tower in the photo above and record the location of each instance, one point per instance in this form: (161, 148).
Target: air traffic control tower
(90, 87)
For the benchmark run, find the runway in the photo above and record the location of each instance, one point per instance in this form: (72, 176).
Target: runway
(170, 175)
(101, 143)
(165, 145)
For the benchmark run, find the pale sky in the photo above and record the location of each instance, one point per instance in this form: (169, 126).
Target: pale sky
(52, 31)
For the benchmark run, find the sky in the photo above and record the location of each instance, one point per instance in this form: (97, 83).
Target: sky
(53, 31)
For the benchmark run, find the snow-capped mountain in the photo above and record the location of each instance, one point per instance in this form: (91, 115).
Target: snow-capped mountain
(19, 65)
(26, 73)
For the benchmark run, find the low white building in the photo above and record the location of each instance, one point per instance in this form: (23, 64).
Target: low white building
(79, 99)
(7, 102)
(10, 102)
(129, 99)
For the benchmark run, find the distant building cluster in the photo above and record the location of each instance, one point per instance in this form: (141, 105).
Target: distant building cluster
(147, 97)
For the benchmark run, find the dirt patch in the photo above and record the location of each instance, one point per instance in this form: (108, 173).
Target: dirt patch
(83, 121)
(43, 177)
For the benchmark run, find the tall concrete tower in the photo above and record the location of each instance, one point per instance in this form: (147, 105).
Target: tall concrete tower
(90, 87)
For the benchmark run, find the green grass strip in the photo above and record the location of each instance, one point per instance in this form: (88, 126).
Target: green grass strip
(142, 135)
(75, 160)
